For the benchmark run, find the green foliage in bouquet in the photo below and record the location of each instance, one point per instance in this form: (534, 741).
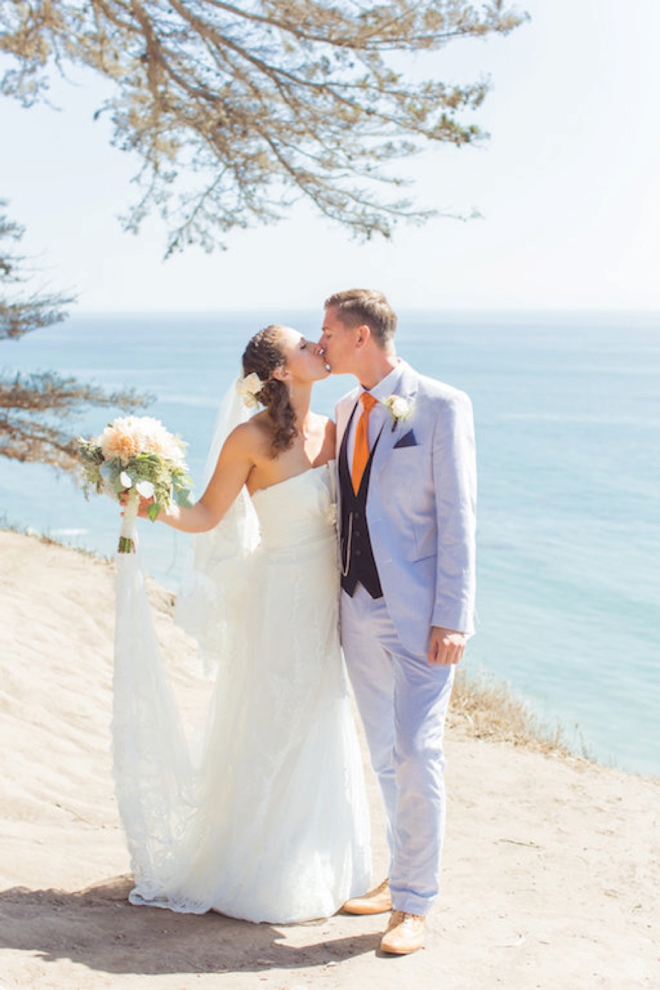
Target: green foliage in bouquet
(137, 454)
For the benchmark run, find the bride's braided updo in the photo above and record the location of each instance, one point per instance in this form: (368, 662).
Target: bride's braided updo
(263, 356)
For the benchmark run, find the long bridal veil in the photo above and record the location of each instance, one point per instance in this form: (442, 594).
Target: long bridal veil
(155, 776)
(214, 585)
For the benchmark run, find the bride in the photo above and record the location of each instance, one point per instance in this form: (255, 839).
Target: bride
(269, 822)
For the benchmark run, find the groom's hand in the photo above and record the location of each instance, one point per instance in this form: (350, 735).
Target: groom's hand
(446, 646)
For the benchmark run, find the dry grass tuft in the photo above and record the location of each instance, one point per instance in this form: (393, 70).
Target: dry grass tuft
(486, 709)
(49, 541)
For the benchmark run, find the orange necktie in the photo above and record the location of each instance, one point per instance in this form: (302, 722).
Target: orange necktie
(361, 452)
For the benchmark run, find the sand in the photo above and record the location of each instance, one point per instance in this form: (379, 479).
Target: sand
(551, 868)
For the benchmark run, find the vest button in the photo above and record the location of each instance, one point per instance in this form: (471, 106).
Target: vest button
(358, 553)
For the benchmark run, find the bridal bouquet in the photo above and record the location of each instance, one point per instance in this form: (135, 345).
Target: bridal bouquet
(136, 455)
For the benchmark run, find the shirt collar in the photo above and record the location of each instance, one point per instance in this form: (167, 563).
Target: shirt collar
(388, 385)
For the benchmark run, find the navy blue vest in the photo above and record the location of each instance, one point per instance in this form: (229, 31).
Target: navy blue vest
(357, 558)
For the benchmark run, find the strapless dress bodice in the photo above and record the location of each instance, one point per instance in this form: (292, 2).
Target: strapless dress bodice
(298, 511)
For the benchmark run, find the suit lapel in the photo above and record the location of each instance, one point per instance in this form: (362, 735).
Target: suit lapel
(407, 389)
(345, 409)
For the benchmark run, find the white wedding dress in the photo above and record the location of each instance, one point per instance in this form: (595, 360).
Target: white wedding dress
(270, 822)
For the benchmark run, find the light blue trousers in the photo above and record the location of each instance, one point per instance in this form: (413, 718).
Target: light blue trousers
(403, 705)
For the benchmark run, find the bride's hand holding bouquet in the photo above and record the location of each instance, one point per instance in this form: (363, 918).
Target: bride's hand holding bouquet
(141, 465)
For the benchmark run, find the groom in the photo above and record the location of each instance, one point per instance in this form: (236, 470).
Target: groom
(407, 486)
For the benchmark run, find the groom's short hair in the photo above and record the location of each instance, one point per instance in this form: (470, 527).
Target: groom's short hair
(368, 306)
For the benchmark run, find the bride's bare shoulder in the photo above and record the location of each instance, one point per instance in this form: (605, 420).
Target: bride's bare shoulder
(330, 430)
(250, 437)
(327, 432)
(323, 423)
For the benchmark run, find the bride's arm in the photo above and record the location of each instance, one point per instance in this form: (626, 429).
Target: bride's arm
(236, 460)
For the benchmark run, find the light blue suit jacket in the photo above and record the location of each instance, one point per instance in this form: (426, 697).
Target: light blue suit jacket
(421, 509)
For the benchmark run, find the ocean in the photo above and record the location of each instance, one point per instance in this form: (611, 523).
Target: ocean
(567, 410)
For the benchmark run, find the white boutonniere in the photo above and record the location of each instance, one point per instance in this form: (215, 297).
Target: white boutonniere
(399, 408)
(248, 388)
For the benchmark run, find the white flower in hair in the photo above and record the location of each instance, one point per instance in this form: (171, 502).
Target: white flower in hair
(248, 388)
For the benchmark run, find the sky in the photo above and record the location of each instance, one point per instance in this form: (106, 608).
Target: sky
(568, 187)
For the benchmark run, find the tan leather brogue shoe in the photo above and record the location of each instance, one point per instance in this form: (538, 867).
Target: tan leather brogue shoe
(377, 901)
(405, 933)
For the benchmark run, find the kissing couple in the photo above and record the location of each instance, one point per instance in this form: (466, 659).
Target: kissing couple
(268, 821)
